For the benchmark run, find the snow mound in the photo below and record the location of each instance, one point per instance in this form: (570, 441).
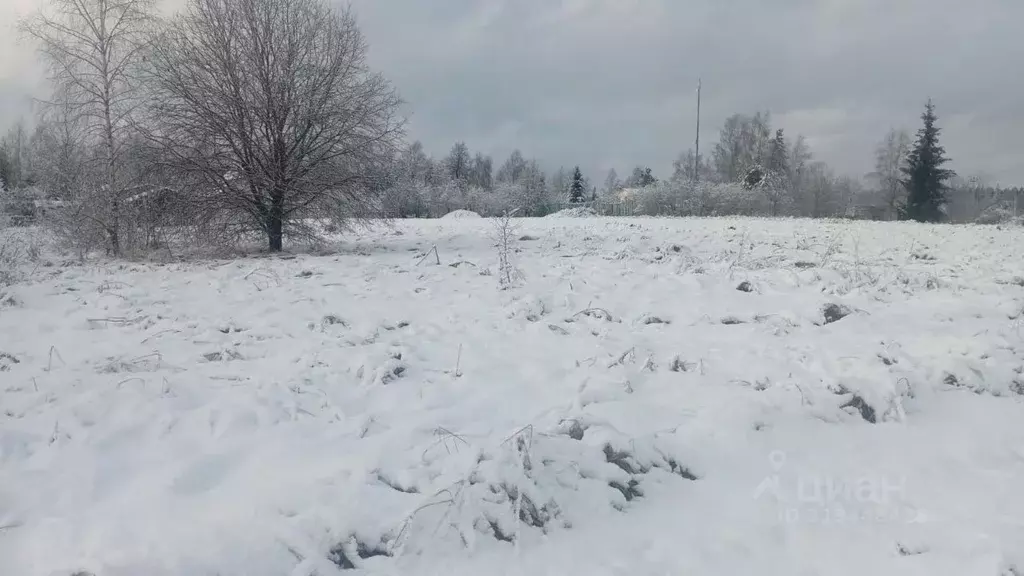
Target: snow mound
(461, 215)
(582, 212)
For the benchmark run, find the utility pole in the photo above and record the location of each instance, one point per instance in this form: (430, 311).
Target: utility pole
(696, 154)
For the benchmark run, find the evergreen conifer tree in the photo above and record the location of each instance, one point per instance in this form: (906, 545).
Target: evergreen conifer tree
(924, 176)
(578, 189)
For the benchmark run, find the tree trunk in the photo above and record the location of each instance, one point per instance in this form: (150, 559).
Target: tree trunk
(275, 223)
(108, 137)
(115, 226)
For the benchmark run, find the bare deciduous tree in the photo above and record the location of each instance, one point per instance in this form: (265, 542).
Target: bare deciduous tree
(890, 157)
(820, 199)
(267, 111)
(459, 163)
(72, 177)
(61, 154)
(744, 142)
(93, 47)
(799, 158)
(513, 169)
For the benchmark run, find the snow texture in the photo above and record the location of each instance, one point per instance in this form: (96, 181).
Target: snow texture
(461, 215)
(578, 212)
(856, 408)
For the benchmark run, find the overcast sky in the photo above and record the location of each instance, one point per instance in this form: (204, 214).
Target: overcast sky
(612, 83)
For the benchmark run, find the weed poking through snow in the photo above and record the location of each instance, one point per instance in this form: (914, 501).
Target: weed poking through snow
(505, 235)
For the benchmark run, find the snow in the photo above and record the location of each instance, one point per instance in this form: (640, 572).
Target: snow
(580, 212)
(461, 215)
(642, 415)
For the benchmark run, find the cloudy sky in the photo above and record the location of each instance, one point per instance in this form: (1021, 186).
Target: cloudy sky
(611, 83)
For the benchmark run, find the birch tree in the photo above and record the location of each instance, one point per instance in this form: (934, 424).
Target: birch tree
(513, 170)
(93, 49)
(890, 157)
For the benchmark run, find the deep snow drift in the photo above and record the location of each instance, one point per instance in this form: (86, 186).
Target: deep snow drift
(721, 396)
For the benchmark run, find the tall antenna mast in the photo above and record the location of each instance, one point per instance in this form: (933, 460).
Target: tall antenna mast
(696, 156)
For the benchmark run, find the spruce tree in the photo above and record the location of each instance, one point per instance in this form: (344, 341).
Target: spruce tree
(778, 156)
(924, 177)
(578, 190)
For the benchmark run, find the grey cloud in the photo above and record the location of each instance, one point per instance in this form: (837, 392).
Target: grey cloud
(611, 83)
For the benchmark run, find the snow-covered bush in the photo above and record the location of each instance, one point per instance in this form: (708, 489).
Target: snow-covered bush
(995, 215)
(406, 199)
(538, 483)
(654, 200)
(688, 198)
(505, 197)
(10, 258)
(735, 200)
(18, 206)
(580, 212)
(18, 246)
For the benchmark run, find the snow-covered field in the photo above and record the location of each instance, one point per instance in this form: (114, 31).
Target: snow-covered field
(653, 397)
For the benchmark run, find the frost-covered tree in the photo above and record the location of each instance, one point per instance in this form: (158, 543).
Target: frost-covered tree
(481, 173)
(778, 155)
(848, 194)
(640, 178)
(18, 155)
(578, 188)
(890, 157)
(414, 164)
(409, 190)
(513, 170)
(728, 151)
(683, 168)
(743, 142)
(612, 185)
(534, 189)
(558, 185)
(761, 138)
(820, 198)
(94, 48)
(799, 158)
(925, 179)
(776, 185)
(270, 114)
(65, 167)
(6, 170)
(459, 162)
